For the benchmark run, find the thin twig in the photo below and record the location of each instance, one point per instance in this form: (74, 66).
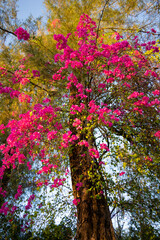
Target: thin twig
(5, 30)
(129, 29)
(100, 19)
(39, 87)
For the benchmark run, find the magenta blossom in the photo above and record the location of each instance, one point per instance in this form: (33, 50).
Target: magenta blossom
(22, 34)
(122, 173)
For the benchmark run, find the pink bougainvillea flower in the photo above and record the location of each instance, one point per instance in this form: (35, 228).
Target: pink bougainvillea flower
(84, 142)
(156, 92)
(19, 192)
(101, 163)
(46, 100)
(52, 135)
(153, 30)
(135, 95)
(79, 185)
(76, 201)
(148, 159)
(157, 134)
(93, 153)
(29, 165)
(104, 146)
(77, 122)
(24, 81)
(121, 174)
(2, 192)
(4, 209)
(36, 73)
(22, 34)
(24, 98)
(62, 41)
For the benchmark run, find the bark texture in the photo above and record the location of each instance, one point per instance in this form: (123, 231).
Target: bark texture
(94, 220)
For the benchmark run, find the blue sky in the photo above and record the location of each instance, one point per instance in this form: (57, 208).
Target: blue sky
(27, 7)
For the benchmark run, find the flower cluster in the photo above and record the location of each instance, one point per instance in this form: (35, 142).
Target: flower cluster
(58, 182)
(22, 34)
(62, 41)
(93, 153)
(2, 192)
(36, 73)
(104, 146)
(4, 209)
(157, 134)
(76, 201)
(121, 173)
(31, 198)
(19, 192)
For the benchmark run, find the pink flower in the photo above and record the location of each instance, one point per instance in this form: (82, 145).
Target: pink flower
(153, 30)
(88, 90)
(4, 209)
(77, 122)
(22, 34)
(29, 165)
(149, 159)
(31, 198)
(121, 174)
(83, 155)
(104, 146)
(55, 166)
(79, 185)
(156, 92)
(84, 142)
(56, 77)
(52, 135)
(46, 100)
(24, 98)
(2, 192)
(118, 112)
(157, 134)
(14, 208)
(40, 205)
(35, 136)
(93, 153)
(154, 74)
(126, 84)
(135, 95)
(89, 118)
(102, 85)
(24, 81)
(76, 201)
(101, 163)
(118, 36)
(62, 41)
(36, 73)
(21, 158)
(19, 192)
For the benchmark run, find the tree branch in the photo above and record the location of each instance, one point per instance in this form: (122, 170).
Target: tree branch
(5, 30)
(129, 29)
(100, 19)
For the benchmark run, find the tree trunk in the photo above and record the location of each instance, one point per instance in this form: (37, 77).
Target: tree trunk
(94, 220)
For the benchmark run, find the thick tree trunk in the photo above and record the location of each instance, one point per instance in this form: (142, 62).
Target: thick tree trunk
(94, 220)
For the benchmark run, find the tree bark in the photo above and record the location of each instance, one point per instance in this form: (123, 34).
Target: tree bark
(94, 220)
